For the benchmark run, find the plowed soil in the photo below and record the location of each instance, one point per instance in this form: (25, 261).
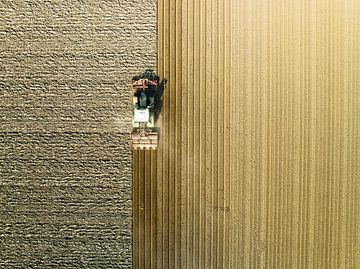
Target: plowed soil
(259, 160)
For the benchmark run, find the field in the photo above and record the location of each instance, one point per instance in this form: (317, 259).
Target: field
(259, 162)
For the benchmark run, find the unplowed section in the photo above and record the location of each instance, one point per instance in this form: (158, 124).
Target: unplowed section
(259, 157)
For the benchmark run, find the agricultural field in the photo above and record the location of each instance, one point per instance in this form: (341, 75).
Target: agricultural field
(259, 157)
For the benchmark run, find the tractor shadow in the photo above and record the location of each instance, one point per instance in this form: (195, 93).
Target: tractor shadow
(158, 101)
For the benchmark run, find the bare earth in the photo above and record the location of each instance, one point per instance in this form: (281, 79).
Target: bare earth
(259, 163)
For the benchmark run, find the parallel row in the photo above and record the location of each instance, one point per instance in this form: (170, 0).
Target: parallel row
(259, 159)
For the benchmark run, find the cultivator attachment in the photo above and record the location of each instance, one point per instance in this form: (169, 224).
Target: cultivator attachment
(144, 140)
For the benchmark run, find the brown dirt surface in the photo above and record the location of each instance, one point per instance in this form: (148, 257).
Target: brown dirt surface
(259, 159)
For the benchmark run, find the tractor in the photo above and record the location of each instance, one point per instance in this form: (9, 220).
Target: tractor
(147, 105)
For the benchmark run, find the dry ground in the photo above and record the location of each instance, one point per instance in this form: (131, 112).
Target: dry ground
(259, 159)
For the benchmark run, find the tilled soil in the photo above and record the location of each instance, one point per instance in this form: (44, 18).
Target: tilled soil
(259, 160)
